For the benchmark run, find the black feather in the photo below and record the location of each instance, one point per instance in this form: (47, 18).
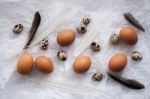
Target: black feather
(129, 17)
(130, 83)
(33, 29)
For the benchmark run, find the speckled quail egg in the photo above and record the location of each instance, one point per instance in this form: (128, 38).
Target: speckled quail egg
(95, 46)
(136, 56)
(18, 28)
(97, 77)
(44, 44)
(81, 28)
(86, 19)
(114, 38)
(62, 55)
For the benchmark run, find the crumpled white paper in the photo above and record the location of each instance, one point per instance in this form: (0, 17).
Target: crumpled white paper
(107, 16)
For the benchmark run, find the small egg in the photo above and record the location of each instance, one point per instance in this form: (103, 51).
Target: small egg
(136, 56)
(86, 19)
(97, 77)
(128, 35)
(44, 64)
(82, 64)
(114, 38)
(44, 44)
(25, 64)
(117, 62)
(18, 28)
(95, 47)
(62, 55)
(82, 28)
(66, 37)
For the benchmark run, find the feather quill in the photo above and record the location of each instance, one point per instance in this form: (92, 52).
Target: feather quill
(89, 36)
(61, 18)
(40, 36)
(78, 90)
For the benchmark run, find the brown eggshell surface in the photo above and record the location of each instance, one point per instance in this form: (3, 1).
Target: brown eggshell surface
(128, 35)
(82, 64)
(66, 37)
(44, 64)
(117, 62)
(25, 64)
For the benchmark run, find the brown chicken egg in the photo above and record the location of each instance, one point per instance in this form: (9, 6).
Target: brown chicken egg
(66, 37)
(117, 62)
(128, 35)
(44, 64)
(82, 64)
(25, 64)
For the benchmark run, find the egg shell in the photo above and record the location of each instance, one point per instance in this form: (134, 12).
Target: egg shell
(117, 62)
(44, 64)
(66, 37)
(25, 64)
(82, 64)
(128, 35)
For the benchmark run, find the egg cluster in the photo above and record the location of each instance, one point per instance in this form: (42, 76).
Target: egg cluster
(42, 63)
(82, 63)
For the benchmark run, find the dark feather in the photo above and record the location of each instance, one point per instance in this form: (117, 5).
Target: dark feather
(33, 29)
(129, 17)
(130, 83)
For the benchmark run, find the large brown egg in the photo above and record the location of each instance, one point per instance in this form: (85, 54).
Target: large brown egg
(117, 62)
(128, 35)
(66, 37)
(82, 64)
(44, 64)
(25, 64)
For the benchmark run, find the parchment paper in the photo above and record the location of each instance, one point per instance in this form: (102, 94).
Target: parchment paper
(107, 18)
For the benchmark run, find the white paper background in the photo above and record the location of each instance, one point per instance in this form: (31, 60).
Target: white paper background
(107, 18)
